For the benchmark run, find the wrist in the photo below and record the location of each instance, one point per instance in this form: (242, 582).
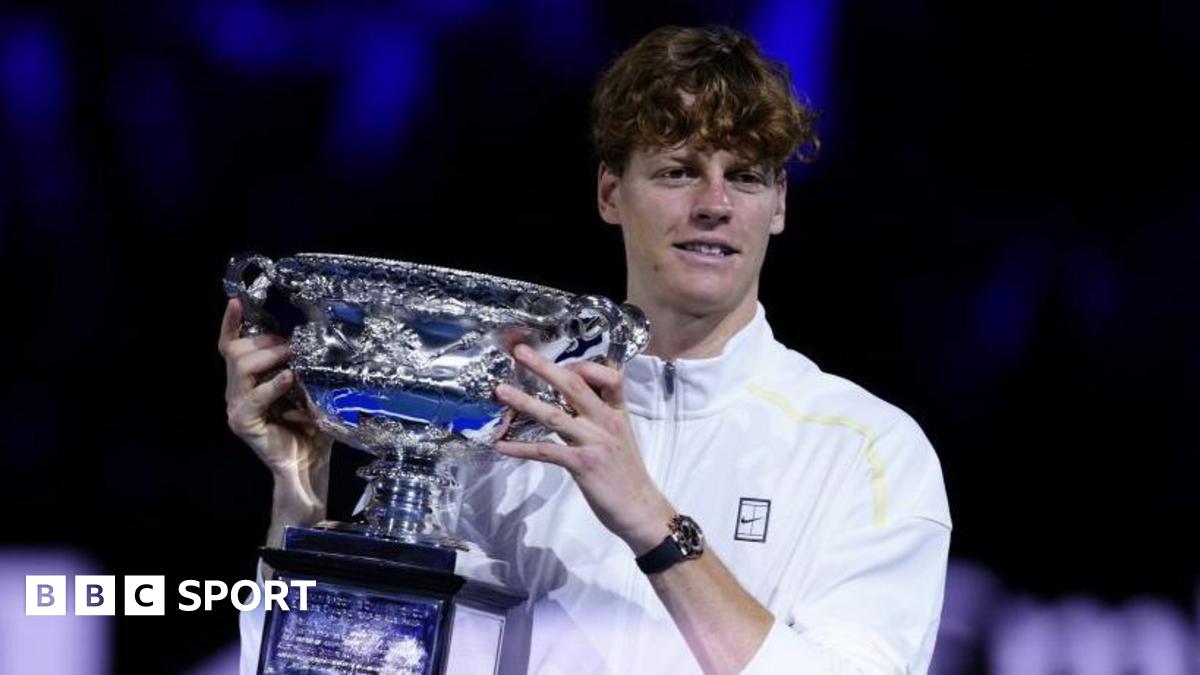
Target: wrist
(651, 529)
(296, 501)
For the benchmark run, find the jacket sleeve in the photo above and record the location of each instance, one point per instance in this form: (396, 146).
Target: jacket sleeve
(872, 601)
(873, 615)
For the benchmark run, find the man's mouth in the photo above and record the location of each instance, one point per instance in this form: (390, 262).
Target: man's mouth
(715, 250)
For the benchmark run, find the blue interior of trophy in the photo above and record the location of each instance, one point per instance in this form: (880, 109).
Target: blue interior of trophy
(354, 406)
(350, 351)
(436, 334)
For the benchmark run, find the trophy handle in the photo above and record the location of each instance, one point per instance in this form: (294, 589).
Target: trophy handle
(627, 326)
(255, 319)
(635, 330)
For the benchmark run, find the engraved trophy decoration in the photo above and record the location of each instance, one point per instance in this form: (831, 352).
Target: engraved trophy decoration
(400, 360)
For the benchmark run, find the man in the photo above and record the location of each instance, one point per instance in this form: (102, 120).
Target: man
(824, 515)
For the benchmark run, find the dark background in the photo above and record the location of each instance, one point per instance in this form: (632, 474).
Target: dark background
(999, 237)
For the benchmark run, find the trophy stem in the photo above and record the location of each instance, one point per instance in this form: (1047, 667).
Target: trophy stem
(408, 500)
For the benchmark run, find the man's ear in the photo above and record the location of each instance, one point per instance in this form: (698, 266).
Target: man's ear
(607, 184)
(777, 219)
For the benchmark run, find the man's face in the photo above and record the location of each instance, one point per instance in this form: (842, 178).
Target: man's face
(696, 225)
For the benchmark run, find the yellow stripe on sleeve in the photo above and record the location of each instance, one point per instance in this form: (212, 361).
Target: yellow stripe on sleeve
(878, 482)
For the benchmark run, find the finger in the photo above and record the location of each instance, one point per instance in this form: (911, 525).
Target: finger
(296, 416)
(261, 397)
(607, 380)
(231, 324)
(300, 419)
(570, 384)
(552, 453)
(251, 343)
(253, 364)
(550, 416)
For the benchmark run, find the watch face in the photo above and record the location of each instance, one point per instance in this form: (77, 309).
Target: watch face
(688, 536)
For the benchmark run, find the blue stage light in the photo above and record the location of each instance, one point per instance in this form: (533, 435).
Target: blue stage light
(244, 34)
(33, 80)
(1006, 306)
(385, 74)
(35, 88)
(800, 34)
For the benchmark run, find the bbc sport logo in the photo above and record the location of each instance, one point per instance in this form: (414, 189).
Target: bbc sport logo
(146, 595)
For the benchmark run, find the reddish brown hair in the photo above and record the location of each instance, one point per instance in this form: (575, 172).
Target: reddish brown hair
(736, 99)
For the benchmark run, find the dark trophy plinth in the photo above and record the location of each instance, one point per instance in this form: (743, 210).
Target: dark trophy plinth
(401, 360)
(384, 607)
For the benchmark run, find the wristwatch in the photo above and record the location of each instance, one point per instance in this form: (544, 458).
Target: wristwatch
(685, 542)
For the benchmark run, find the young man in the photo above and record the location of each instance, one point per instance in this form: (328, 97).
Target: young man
(825, 522)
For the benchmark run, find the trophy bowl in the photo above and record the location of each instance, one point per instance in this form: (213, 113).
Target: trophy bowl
(401, 359)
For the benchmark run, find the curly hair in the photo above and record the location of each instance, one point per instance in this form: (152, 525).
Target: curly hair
(710, 86)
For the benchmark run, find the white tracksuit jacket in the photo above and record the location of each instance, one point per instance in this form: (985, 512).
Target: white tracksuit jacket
(824, 501)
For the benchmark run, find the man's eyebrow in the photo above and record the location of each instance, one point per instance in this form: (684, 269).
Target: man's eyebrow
(743, 165)
(678, 153)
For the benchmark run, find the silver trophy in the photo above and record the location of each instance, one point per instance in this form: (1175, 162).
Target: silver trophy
(401, 359)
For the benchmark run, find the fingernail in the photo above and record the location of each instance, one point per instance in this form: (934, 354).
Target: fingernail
(502, 390)
(523, 351)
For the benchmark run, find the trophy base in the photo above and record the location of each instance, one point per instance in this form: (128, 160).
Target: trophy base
(441, 540)
(353, 539)
(383, 606)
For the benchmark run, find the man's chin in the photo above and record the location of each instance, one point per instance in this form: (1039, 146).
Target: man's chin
(699, 303)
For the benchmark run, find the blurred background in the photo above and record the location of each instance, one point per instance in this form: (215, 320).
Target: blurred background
(1000, 237)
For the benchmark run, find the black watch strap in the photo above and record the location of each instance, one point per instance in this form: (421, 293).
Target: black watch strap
(685, 542)
(660, 558)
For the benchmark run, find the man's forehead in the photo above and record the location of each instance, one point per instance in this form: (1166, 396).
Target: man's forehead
(692, 150)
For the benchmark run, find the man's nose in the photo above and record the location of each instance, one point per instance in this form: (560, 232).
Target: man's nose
(712, 206)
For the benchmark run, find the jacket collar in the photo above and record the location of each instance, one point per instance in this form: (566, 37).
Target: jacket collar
(700, 386)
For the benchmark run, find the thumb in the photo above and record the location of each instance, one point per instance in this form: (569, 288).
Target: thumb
(262, 396)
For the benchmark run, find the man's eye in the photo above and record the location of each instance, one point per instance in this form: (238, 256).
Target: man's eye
(750, 177)
(676, 173)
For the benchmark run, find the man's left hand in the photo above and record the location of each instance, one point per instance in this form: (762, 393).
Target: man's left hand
(602, 454)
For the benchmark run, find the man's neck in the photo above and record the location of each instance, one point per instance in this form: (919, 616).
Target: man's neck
(676, 334)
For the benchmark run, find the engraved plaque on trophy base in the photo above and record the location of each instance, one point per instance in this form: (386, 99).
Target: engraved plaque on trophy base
(381, 607)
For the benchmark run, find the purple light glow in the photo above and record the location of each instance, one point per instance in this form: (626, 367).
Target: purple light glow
(984, 631)
(1160, 639)
(1023, 640)
(79, 645)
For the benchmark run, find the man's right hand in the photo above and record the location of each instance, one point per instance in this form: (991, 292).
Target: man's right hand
(287, 441)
